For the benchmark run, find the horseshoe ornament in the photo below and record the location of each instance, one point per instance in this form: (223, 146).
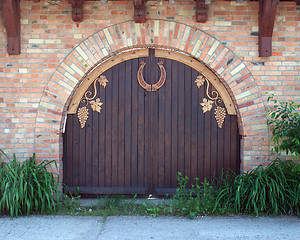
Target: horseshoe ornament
(162, 78)
(158, 84)
(140, 78)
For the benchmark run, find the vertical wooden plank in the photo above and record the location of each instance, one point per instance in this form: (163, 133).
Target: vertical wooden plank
(174, 121)
(65, 155)
(146, 98)
(187, 119)
(134, 125)
(238, 145)
(121, 123)
(128, 121)
(220, 147)
(214, 142)
(168, 124)
(227, 143)
(194, 126)
(75, 140)
(82, 148)
(115, 126)
(181, 118)
(207, 141)
(201, 135)
(88, 143)
(108, 129)
(153, 116)
(68, 151)
(160, 160)
(234, 144)
(141, 134)
(88, 148)
(99, 144)
(65, 163)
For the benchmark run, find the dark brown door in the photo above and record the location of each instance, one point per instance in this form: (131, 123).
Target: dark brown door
(142, 138)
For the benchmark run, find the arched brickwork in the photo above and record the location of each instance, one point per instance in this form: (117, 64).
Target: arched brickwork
(154, 33)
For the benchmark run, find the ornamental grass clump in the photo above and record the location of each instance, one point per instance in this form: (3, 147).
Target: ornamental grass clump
(274, 189)
(26, 187)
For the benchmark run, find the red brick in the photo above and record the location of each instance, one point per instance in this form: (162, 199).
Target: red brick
(246, 104)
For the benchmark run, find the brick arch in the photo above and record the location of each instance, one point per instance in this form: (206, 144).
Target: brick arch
(155, 33)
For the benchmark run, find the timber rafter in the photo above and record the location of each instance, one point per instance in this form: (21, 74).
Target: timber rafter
(201, 11)
(77, 10)
(11, 14)
(267, 14)
(140, 11)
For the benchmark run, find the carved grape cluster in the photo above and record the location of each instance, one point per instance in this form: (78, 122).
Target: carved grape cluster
(220, 114)
(82, 116)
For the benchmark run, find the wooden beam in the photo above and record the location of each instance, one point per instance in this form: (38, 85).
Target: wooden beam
(201, 11)
(77, 10)
(267, 14)
(11, 14)
(140, 11)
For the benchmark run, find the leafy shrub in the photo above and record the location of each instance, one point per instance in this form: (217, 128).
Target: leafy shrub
(271, 190)
(26, 188)
(284, 124)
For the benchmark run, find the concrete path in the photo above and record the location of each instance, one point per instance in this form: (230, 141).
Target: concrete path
(139, 227)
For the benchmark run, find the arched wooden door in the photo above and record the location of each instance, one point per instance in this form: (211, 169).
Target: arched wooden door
(141, 122)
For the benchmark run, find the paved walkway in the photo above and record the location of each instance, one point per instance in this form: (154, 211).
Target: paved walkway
(139, 227)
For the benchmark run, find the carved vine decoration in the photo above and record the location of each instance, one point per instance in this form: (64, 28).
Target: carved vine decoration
(213, 99)
(90, 98)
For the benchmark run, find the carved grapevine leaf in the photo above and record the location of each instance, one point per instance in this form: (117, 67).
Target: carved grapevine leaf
(206, 105)
(220, 114)
(83, 116)
(102, 80)
(96, 105)
(200, 81)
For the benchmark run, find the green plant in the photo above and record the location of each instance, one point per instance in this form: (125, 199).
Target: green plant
(182, 193)
(270, 190)
(198, 200)
(69, 203)
(28, 187)
(284, 124)
(207, 197)
(154, 211)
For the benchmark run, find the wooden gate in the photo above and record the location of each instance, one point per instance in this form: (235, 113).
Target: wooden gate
(142, 121)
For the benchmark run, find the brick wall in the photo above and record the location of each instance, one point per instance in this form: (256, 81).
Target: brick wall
(36, 86)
